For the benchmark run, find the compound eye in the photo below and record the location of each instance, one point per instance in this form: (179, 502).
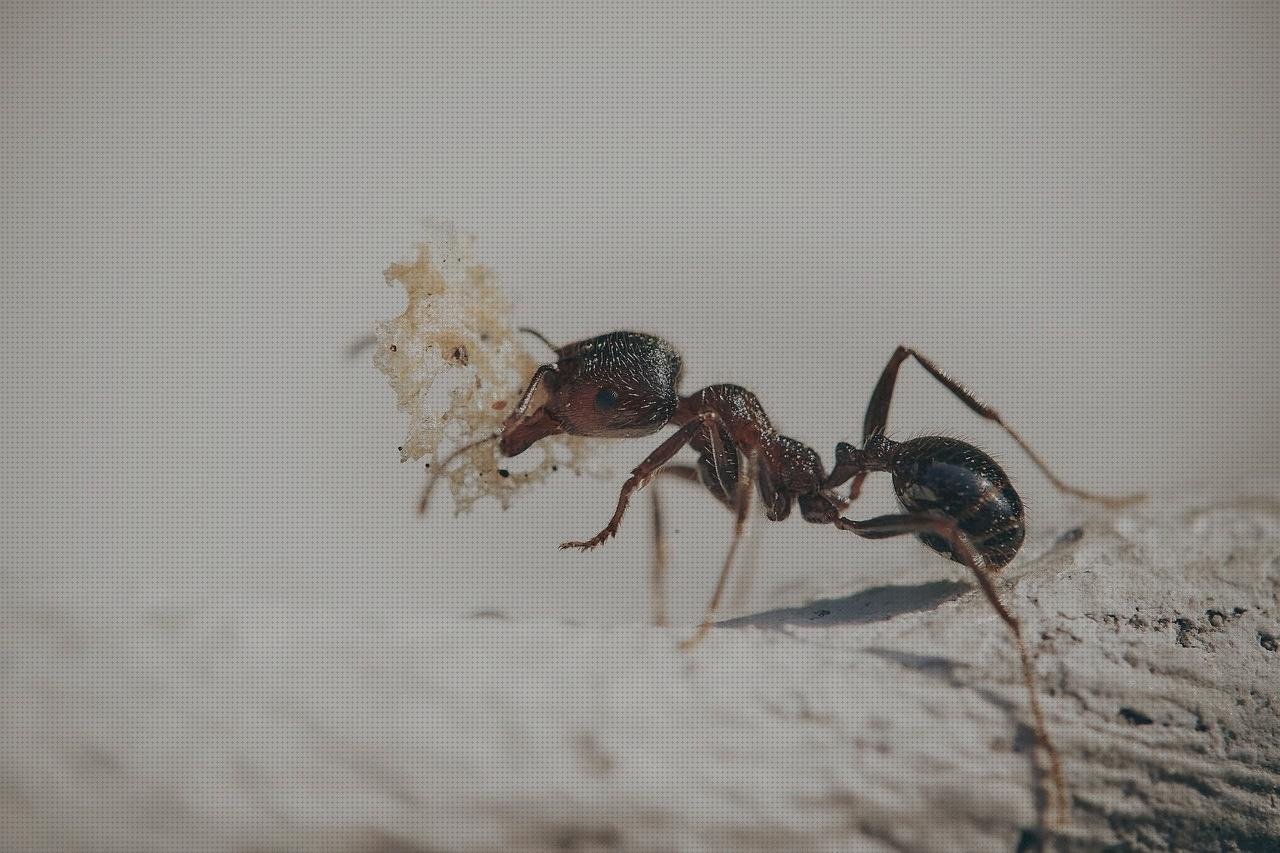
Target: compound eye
(606, 399)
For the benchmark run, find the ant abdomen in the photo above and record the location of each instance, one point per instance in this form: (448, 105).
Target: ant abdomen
(955, 480)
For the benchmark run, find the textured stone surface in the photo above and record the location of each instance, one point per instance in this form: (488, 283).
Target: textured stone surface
(891, 719)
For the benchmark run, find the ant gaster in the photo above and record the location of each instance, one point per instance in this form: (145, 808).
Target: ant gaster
(954, 497)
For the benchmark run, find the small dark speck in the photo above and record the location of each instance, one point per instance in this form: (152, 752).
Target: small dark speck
(1238, 611)
(1268, 642)
(426, 465)
(400, 448)
(503, 472)
(392, 347)
(1075, 534)
(818, 614)
(1135, 718)
(555, 467)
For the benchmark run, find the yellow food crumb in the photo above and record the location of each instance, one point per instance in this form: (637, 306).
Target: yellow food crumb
(457, 366)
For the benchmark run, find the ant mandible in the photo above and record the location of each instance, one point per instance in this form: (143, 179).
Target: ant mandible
(954, 497)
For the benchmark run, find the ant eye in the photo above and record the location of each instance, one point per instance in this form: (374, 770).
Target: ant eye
(606, 398)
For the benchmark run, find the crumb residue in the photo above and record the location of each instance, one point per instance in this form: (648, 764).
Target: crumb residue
(457, 367)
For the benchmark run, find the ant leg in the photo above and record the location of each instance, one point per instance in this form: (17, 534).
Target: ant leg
(878, 415)
(851, 462)
(886, 526)
(742, 501)
(690, 473)
(684, 472)
(659, 577)
(646, 471)
(855, 487)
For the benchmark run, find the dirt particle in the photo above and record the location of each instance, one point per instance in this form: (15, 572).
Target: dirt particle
(392, 347)
(503, 472)
(1268, 642)
(1216, 619)
(1075, 534)
(1135, 718)
(1186, 632)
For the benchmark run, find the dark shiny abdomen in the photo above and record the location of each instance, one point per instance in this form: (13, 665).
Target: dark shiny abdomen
(942, 476)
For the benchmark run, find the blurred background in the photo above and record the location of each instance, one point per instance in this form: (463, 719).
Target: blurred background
(1073, 208)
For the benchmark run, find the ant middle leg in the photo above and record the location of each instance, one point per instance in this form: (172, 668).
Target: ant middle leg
(742, 500)
(658, 576)
(646, 471)
(878, 415)
(690, 474)
(886, 526)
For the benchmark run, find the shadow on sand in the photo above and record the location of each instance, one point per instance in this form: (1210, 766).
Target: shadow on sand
(870, 605)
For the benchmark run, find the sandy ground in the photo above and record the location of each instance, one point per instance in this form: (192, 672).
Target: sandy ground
(223, 626)
(890, 719)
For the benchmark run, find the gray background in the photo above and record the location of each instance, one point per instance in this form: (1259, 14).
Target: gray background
(1071, 207)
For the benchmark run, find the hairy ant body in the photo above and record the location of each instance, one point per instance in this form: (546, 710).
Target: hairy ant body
(954, 497)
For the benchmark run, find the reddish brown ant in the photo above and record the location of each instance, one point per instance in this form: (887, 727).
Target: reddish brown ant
(954, 497)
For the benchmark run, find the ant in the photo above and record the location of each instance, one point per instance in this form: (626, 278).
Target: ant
(954, 497)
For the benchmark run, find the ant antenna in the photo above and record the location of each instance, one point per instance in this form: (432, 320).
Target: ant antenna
(540, 337)
(442, 467)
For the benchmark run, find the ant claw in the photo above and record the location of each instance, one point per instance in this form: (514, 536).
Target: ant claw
(695, 638)
(581, 546)
(589, 544)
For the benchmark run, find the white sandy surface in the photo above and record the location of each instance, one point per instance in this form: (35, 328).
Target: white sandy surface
(223, 626)
(890, 719)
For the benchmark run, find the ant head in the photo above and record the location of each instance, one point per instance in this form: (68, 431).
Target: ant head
(622, 384)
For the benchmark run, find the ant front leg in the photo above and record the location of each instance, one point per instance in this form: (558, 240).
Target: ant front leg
(878, 415)
(646, 471)
(886, 526)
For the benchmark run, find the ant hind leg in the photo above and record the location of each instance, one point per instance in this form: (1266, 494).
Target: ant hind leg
(878, 415)
(886, 526)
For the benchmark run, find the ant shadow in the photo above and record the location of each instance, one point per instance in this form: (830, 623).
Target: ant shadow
(870, 605)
